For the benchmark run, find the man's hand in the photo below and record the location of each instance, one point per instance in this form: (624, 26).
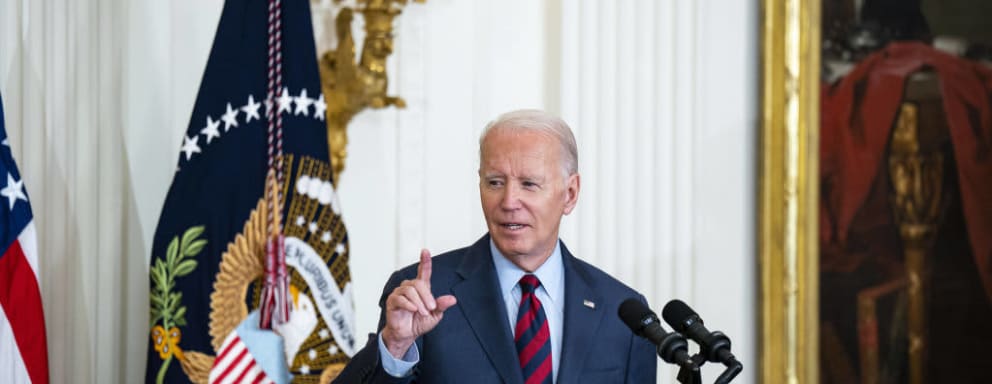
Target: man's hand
(412, 310)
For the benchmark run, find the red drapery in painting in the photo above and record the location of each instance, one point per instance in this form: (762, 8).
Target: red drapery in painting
(858, 114)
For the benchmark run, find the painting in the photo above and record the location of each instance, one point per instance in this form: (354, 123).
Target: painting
(905, 279)
(887, 274)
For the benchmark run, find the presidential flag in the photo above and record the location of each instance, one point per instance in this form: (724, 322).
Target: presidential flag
(23, 349)
(260, 96)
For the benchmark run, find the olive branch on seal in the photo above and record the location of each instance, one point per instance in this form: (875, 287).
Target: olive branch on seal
(166, 305)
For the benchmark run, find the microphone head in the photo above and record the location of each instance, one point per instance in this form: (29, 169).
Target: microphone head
(679, 315)
(636, 315)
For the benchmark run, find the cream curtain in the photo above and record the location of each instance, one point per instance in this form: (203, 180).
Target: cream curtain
(61, 87)
(95, 96)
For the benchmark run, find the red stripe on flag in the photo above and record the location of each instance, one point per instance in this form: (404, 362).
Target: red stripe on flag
(227, 348)
(244, 371)
(21, 301)
(234, 363)
(260, 377)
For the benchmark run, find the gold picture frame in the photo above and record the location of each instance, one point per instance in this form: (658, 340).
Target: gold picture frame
(789, 148)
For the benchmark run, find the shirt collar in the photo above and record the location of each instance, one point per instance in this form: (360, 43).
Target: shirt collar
(550, 273)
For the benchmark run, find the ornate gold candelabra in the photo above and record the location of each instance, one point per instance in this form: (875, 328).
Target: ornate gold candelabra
(916, 178)
(349, 86)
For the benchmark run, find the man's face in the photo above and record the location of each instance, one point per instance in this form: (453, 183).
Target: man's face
(524, 193)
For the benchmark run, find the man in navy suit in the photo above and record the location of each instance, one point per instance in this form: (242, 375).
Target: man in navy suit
(516, 306)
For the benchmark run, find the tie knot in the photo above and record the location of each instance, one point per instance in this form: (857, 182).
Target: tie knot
(529, 283)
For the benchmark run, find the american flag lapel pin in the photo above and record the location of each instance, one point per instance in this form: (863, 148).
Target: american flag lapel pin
(589, 304)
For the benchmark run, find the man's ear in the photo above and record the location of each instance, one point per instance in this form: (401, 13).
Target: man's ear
(572, 185)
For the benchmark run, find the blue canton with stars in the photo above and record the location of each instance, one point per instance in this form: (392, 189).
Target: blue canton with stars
(222, 162)
(16, 212)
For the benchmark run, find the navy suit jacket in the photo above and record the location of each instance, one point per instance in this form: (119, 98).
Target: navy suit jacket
(473, 343)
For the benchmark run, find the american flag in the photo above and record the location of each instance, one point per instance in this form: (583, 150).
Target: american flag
(23, 347)
(250, 355)
(236, 364)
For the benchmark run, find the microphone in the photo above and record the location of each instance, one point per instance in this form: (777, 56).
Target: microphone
(715, 346)
(672, 347)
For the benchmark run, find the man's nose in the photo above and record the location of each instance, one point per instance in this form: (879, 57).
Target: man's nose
(511, 198)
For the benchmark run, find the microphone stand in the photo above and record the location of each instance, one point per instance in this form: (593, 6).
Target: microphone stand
(689, 372)
(733, 368)
(671, 348)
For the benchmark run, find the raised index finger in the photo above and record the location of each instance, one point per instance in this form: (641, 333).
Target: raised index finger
(424, 269)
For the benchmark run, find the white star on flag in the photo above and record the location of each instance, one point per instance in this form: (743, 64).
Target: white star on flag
(13, 191)
(284, 100)
(320, 107)
(303, 103)
(251, 109)
(230, 118)
(210, 131)
(190, 147)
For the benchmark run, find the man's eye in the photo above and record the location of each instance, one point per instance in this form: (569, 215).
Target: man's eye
(495, 183)
(530, 185)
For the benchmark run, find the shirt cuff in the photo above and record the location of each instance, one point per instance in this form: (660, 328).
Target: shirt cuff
(398, 367)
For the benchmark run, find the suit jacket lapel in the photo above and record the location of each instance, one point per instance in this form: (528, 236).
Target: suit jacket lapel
(482, 304)
(581, 321)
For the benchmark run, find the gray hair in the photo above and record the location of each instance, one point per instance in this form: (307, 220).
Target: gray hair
(538, 121)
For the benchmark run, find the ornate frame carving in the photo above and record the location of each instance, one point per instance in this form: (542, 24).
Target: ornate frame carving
(788, 241)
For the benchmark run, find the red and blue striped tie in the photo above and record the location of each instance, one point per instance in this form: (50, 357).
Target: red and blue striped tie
(533, 338)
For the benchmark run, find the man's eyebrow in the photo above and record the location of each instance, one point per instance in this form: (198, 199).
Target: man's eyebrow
(533, 177)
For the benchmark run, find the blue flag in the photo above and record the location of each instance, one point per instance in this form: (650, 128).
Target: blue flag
(208, 254)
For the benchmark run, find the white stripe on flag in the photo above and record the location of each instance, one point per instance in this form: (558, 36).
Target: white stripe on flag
(11, 363)
(244, 363)
(29, 245)
(226, 359)
(252, 374)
